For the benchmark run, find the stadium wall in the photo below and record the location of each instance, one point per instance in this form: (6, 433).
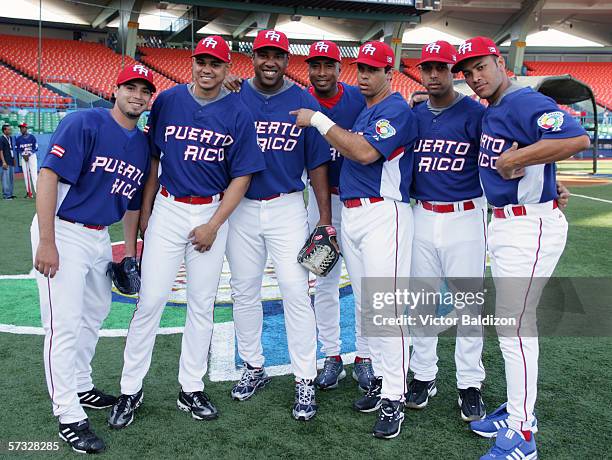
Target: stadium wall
(47, 32)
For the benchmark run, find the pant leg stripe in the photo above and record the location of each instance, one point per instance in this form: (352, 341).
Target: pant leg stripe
(518, 330)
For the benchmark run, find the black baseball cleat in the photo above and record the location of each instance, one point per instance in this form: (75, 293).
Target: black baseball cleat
(471, 404)
(198, 403)
(370, 401)
(122, 413)
(95, 399)
(390, 418)
(81, 438)
(419, 392)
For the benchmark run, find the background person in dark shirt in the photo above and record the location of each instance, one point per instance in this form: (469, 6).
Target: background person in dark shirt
(7, 158)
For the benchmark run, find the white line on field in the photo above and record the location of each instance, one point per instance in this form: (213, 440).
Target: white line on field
(592, 198)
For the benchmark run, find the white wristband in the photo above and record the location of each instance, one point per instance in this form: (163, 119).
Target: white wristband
(321, 122)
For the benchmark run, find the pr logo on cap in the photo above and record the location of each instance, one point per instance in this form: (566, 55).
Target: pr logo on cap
(368, 49)
(433, 48)
(214, 46)
(322, 47)
(465, 48)
(209, 42)
(273, 35)
(142, 70)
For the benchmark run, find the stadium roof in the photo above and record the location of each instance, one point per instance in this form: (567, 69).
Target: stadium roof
(345, 20)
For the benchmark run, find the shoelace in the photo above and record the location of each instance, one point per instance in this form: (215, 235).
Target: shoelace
(387, 411)
(418, 386)
(305, 393)
(369, 371)
(248, 375)
(329, 367)
(200, 398)
(472, 396)
(124, 403)
(374, 388)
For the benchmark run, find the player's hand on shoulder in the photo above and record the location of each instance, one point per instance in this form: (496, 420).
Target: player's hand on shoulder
(303, 117)
(417, 97)
(505, 166)
(233, 83)
(46, 261)
(4, 165)
(564, 195)
(203, 237)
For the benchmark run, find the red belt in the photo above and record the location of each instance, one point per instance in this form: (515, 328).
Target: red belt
(334, 190)
(444, 208)
(190, 199)
(93, 227)
(356, 202)
(516, 210)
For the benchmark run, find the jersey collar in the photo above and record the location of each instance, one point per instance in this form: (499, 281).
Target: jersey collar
(329, 102)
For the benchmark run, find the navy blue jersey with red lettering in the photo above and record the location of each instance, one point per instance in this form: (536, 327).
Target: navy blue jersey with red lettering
(390, 127)
(101, 167)
(446, 153)
(343, 109)
(202, 147)
(524, 116)
(26, 145)
(288, 150)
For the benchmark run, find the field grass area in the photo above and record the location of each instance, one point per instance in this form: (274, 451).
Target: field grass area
(575, 376)
(604, 166)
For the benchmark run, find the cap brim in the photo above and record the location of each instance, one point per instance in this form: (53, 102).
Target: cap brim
(457, 67)
(146, 82)
(310, 58)
(204, 53)
(444, 61)
(267, 45)
(370, 62)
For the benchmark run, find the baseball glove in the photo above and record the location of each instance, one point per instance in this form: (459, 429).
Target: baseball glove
(321, 252)
(125, 275)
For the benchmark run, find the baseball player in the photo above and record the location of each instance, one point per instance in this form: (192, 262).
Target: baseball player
(272, 219)
(91, 178)
(377, 225)
(450, 219)
(342, 103)
(204, 139)
(27, 146)
(523, 134)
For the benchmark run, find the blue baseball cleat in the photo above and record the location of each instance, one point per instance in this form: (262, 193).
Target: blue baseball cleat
(510, 444)
(495, 421)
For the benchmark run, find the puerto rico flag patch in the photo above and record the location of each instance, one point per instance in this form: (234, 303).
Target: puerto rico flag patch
(57, 150)
(551, 120)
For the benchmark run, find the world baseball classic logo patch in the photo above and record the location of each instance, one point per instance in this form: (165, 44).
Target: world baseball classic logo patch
(551, 120)
(384, 130)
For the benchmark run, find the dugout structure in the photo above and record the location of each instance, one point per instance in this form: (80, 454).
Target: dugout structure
(565, 89)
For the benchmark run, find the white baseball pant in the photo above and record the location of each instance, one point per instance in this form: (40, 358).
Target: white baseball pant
(279, 227)
(73, 305)
(450, 245)
(166, 246)
(327, 294)
(30, 172)
(377, 242)
(526, 247)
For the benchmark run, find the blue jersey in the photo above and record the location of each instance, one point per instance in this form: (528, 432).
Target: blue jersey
(343, 109)
(446, 153)
(102, 167)
(390, 127)
(288, 150)
(524, 116)
(26, 145)
(202, 147)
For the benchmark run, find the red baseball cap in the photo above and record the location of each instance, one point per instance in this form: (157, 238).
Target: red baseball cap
(324, 48)
(136, 72)
(271, 38)
(214, 46)
(439, 51)
(375, 54)
(474, 47)
(23, 125)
